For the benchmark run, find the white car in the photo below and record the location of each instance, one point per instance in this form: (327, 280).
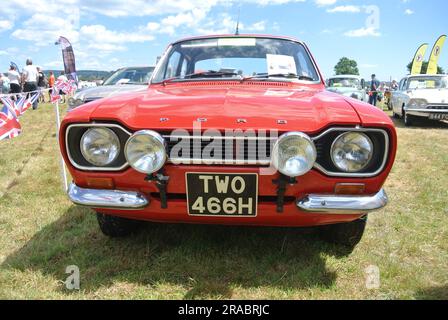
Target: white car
(421, 96)
(348, 85)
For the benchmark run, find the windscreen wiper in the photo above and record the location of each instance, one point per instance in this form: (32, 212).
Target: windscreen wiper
(203, 74)
(279, 75)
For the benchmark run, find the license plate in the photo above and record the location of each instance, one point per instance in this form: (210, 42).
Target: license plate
(438, 116)
(227, 194)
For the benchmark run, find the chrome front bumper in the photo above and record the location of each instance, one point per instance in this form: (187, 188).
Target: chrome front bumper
(110, 199)
(340, 204)
(424, 112)
(313, 203)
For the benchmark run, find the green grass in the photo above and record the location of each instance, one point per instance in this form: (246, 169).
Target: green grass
(41, 233)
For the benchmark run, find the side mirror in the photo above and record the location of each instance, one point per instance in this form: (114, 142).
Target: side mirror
(363, 83)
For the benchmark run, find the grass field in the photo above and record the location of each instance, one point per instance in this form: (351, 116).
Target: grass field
(41, 233)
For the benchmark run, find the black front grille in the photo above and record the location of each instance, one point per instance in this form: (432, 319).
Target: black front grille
(438, 107)
(248, 150)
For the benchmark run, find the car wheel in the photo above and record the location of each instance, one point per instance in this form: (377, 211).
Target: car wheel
(346, 234)
(117, 227)
(407, 119)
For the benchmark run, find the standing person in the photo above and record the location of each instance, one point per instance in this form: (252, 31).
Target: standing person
(62, 77)
(30, 76)
(374, 85)
(51, 81)
(41, 84)
(14, 81)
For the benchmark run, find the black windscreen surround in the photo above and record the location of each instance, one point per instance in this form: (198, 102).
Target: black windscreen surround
(323, 146)
(74, 136)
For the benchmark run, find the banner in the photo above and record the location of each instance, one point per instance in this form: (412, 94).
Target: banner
(418, 59)
(69, 58)
(435, 55)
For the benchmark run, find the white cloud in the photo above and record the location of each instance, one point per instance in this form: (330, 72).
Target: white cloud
(44, 30)
(41, 22)
(363, 32)
(323, 3)
(408, 12)
(6, 25)
(100, 34)
(350, 9)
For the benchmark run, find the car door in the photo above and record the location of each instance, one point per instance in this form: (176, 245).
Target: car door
(399, 96)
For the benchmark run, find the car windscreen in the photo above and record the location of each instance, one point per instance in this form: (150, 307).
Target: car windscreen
(130, 76)
(427, 83)
(237, 57)
(344, 82)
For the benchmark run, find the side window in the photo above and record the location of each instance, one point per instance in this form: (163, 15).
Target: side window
(305, 66)
(184, 67)
(173, 65)
(405, 84)
(402, 84)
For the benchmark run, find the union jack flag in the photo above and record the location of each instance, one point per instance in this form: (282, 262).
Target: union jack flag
(55, 97)
(9, 124)
(11, 105)
(68, 87)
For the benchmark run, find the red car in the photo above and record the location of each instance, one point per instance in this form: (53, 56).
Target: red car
(234, 130)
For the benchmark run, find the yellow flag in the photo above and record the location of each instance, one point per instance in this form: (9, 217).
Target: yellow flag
(418, 59)
(435, 55)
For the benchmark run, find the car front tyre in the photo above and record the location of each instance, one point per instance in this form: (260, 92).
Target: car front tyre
(407, 119)
(346, 234)
(117, 227)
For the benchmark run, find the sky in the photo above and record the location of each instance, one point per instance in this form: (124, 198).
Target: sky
(381, 35)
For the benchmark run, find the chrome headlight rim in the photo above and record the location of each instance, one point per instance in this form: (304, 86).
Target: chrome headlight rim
(158, 138)
(340, 136)
(116, 142)
(275, 152)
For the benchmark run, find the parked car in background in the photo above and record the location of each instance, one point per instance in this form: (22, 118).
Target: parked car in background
(421, 96)
(234, 130)
(349, 86)
(128, 79)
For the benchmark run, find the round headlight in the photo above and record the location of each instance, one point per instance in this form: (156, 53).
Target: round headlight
(100, 146)
(294, 154)
(417, 103)
(352, 151)
(145, 151)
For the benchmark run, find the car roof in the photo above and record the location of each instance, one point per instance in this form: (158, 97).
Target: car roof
(237, 36)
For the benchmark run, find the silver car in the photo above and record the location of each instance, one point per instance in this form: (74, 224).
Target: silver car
(348, 85)
(129, 79)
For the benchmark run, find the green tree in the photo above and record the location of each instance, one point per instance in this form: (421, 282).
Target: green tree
(425, 68)
(346, 66)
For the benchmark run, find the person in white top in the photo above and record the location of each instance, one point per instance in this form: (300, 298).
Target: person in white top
(14, 80)
(30, 76)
